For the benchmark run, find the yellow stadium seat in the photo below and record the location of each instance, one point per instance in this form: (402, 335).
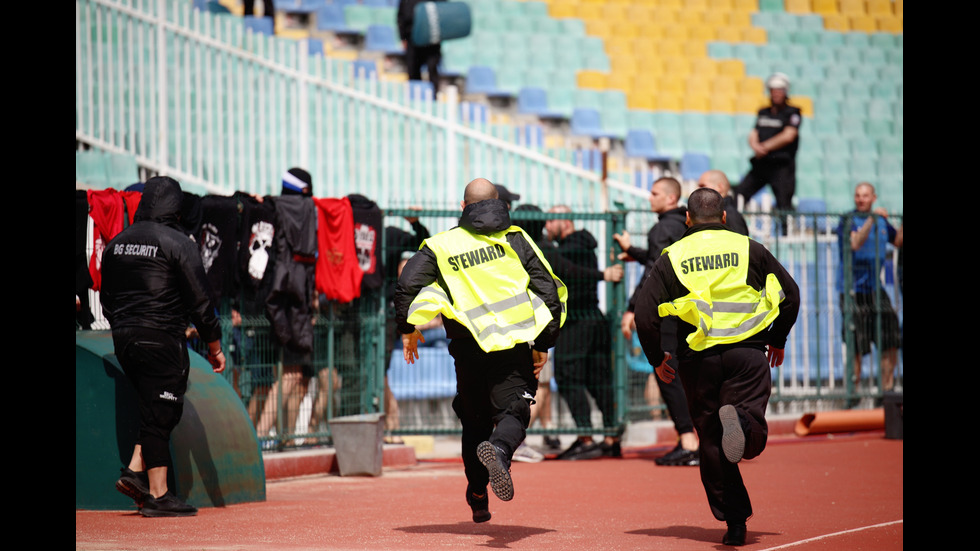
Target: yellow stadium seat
(852, 7)
(588, 11)
(751, 86)
(625, 29)
(667, 49)
(717, 18)
(562, 9)
(731, 67)
(641, 13)
(729, 34)
(696, 49)
(636, 100)
(650, 67)
(594, 80)
(690, 16)
(620, 81)
(647, 82)
(703, 33)
(724, 85)
(864, 23)
(598, 27)
(890, 24)
(617, 45)
(698, 84)
(668, 102)
(678, 33)
(613, 11)
(824, 7)
(805, 104)
(677, 67)
(672, 4)
(880, 7)
(740, 19)
(798, 6)
(723, 6)
(721, 104)
(899, 8)
(697, 5)
(754, 35)
(704, 67)
(749, 103)
(627, 64)
(671, 84)
(747, 6)
(696, 102)
(837, 22)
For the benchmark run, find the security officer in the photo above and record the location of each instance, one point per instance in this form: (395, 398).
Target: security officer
(774, 141)
(502, 308)
(153, 286)
(736, 304)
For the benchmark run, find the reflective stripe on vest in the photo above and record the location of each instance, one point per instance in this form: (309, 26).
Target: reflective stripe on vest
(489, 290)
(713, 266)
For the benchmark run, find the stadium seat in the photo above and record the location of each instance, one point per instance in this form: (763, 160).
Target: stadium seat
(641, 143)
(482, 80)
(330, 18)
(259, 25)
(534, 101)
(693, 165)
(587, 121)
(382, 39)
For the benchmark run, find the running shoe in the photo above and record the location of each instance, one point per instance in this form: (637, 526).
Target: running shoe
(732, 438)
(134, 485)
(494, 460)
(167, 505)
(479, 504)
(527, 454)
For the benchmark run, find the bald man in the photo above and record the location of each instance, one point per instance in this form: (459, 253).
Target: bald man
(502, 308)
(718, 181)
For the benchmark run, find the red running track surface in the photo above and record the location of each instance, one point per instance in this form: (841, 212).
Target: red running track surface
(815, 493)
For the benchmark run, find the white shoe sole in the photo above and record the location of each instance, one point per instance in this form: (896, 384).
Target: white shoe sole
(732, 437)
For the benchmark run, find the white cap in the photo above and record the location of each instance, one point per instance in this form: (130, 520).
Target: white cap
(777, 80)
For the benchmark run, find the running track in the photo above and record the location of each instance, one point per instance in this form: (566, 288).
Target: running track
(816, 493)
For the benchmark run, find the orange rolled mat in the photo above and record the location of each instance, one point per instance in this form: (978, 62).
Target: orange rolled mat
(840, 421)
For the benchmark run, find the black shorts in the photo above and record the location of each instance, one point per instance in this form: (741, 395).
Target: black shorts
(865, 319)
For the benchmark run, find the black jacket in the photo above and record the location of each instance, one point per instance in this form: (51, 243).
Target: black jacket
(670, 227)
(152, 276)
(485, 217)
(579, 249)
(662, 286)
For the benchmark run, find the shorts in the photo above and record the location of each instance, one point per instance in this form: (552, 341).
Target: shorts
(865, 320)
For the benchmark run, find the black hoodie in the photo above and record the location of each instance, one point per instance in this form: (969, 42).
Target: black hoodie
(152, 276)
(484, 218)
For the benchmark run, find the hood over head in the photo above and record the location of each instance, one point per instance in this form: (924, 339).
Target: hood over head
(486, 217)
(161, 201)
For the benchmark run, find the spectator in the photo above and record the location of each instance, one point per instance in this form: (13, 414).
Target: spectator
(718, 181)
(268, 10)
(582, 365)
(153, 286)
(509, 197)
(726, 373)
(671, 224)
(465, 273)
(774, 142)
(292, 297)
(541, 409)
(417, 56)
(866, 234)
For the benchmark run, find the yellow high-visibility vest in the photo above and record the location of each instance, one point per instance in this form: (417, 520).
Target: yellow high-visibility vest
(489, 289)
(713, 265)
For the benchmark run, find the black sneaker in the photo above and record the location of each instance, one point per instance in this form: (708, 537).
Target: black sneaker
(492, 458)
(552, 442)
(480, 504)
(611, 450)
(134, 485)
(581, 450)
(679, 457)
(732, 438)
(167, 505)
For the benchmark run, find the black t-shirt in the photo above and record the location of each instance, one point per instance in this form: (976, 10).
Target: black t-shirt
(768, 123)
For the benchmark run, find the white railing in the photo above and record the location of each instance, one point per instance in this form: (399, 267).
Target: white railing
(191, 94)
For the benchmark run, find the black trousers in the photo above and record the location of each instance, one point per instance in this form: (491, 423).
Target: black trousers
(673, 393)
(582, 368)
(494, 393)
(779, 174)
(740, 377)
(418, 56)
(158, 365)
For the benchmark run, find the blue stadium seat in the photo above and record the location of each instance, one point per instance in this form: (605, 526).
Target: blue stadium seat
(330, 18)
(694, 164)
(534, 101)
(481, 79)
(586, 121)
(383, 39)
(641, 143)
(259, 25)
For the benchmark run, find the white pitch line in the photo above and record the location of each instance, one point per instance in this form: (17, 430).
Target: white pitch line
(835, 534)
